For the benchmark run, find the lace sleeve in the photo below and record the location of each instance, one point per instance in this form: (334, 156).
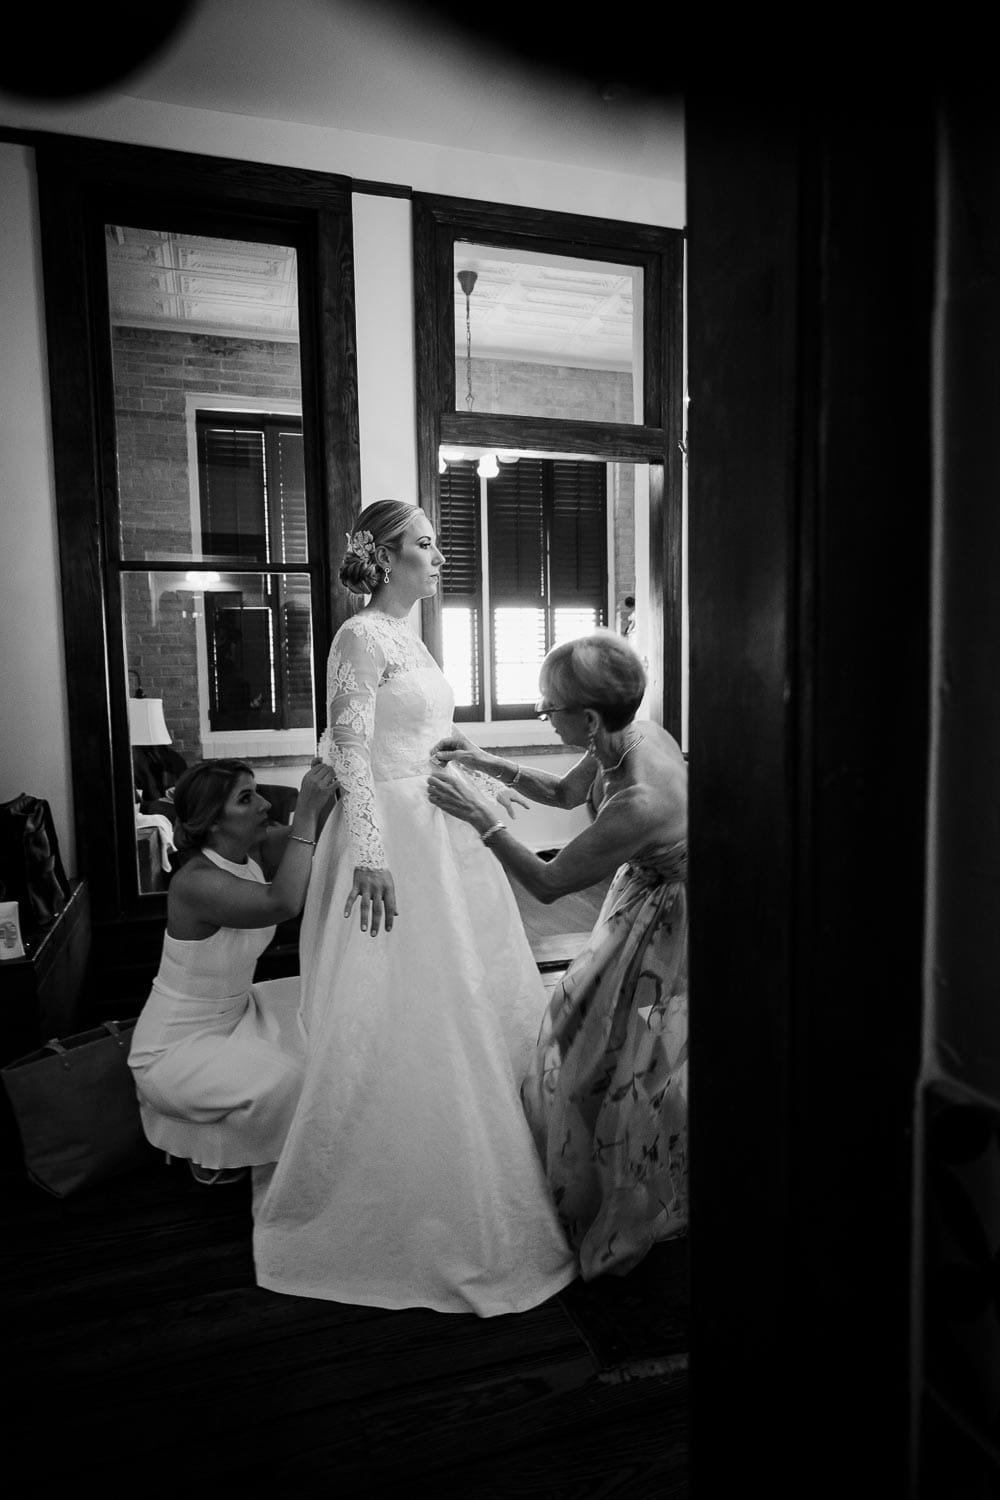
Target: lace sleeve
(352, 680)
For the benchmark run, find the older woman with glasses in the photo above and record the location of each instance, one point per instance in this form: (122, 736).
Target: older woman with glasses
(606, 1093)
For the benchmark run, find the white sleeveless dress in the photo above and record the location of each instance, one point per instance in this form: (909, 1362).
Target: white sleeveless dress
(218, 1060)
(409, 1176)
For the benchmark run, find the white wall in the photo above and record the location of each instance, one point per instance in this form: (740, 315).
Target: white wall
(34, 731)
(387, 397)
(427, 168)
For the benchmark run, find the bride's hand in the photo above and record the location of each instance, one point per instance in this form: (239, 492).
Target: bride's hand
(378, 899)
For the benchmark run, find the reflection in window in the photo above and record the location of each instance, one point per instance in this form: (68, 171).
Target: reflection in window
(252, 497)
(259, 667)
(192, 317)
(547, 335)
(228, 653)
(251, 483)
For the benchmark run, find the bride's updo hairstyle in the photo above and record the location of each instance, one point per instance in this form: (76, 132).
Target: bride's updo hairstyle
(199, 797)
(599, 671)
(379, 525)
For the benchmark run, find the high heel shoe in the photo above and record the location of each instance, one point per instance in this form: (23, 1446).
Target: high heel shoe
(216, 1176)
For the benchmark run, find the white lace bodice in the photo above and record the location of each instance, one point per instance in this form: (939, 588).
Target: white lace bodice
(388, 704)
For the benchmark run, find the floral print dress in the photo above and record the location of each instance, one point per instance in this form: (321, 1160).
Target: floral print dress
(606, 1093)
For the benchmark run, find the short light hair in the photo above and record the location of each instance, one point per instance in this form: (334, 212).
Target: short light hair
(599, 671)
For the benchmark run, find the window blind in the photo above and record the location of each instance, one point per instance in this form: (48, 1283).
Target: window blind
(233, 493)
(459, 537)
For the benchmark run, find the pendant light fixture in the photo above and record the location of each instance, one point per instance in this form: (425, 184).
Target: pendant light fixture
(487, 468)
(467, 280)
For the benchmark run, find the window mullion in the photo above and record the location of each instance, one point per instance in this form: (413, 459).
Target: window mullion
(548, 506)
(486, 632)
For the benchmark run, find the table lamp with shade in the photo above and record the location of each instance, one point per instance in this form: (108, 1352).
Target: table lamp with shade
(155, 767)
(146, 724)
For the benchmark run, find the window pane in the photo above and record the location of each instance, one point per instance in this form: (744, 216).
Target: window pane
(461, 653)
(196, 322)
(291, 541)
(568, 624)
(458, 528)
(225, 654)
(578, 545)
(517, 532)
(518, 649)
(547, 335)
(251, 486)
(233, 489)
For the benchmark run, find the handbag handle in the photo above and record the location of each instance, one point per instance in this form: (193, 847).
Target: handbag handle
(55, 1045)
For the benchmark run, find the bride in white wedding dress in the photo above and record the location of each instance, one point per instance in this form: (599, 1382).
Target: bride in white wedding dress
(409, 1176)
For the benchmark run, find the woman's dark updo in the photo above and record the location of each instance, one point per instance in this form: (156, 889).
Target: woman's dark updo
(379, 525)
(199, 798)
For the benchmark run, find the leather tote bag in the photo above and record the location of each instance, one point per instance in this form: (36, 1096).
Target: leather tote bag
(76, 1109)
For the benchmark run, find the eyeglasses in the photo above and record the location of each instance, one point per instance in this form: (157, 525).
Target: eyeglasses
(546, 710)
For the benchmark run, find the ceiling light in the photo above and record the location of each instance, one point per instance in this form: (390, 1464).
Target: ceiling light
(467, 280)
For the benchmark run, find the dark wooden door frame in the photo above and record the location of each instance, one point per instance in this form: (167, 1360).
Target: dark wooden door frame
(810, 277)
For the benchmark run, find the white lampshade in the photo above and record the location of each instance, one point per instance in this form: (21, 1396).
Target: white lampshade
(146, 723)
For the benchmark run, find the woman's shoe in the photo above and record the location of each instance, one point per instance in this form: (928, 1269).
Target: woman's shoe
(216, 1176)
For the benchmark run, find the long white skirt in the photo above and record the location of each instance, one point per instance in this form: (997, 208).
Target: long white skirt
(409, 1176)
(218, 1078)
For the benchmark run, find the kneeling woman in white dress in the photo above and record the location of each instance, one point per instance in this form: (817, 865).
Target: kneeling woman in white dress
(217, 1059)
(409, 1176)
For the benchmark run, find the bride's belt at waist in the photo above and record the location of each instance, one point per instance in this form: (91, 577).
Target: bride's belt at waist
(390, 776)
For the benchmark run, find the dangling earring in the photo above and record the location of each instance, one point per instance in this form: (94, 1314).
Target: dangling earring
(385, 574)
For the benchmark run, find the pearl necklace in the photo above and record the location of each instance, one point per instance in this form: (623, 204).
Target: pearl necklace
(628, 749)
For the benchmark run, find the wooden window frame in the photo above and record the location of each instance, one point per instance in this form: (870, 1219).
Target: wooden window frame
(83, 185)
(439, 223)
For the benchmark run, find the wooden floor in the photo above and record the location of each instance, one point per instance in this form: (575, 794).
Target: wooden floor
(141, 1357)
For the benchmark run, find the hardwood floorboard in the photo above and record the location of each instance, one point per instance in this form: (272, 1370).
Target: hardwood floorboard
(576, 912)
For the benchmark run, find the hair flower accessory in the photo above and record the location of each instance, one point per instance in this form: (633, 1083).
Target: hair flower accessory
(362, 545)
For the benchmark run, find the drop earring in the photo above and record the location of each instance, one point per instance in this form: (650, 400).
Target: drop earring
(385, 574)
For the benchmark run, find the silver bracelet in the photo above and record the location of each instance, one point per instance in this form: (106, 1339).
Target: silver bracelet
(300, 840)
(494, 828)
(518, 768)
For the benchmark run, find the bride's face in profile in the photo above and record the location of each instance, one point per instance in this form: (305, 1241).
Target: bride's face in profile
(416, 561)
